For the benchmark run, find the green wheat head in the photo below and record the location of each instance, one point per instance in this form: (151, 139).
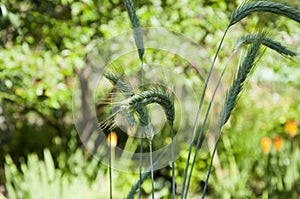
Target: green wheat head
(268, 42)
(129, 92)
(239, 81)
(138, 34)
(138, 102)
(126, 90)
(153, 96)
(248, 8)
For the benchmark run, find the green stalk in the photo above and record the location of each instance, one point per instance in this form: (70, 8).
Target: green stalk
(183, 191)
(233, 93)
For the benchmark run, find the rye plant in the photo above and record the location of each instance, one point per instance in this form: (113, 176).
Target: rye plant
(135, 104)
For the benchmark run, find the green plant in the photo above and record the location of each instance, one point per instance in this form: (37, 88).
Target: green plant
(243, 11)
(28, 96)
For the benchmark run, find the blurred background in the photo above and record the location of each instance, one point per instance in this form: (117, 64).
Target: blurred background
(44, 49)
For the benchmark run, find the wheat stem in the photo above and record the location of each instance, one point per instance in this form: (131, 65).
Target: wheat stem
(239, 14)
(130, 195)
(110, 170)
(140, 166)
(151, 166)
(173, 163)
(184, 190)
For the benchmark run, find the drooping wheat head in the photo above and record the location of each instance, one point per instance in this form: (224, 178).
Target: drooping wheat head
(153, 96)
(248, 8)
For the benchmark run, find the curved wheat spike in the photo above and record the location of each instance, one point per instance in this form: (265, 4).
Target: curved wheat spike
(125, 89)
(153, 96)
(268, 42)
(264, 6)
(129, 92)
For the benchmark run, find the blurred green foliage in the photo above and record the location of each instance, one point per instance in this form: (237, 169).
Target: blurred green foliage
(44, 45)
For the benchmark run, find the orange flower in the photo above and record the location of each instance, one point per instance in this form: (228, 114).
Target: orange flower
(266, 144)
(291, 128)
(278, 142)
(112, 139)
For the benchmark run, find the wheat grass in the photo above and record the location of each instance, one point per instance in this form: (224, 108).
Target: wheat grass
(153, 96)
(128, 92)
(124, 88)
(268, 42)
(248, 8)
(239, 81)
(233, 93)
(138, 34)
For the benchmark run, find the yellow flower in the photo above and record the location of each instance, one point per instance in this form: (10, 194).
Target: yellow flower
(291, 128)
(266, 144)
(278, 142)
(112, 139)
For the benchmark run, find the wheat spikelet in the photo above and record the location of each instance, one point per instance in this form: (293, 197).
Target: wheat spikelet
(129, 92)
(153, 96)
(238, 83)
(268, 42)
(138, 34)
(124, 88)
(264, 6)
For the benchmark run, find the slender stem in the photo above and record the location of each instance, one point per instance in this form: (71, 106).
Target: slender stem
(141, 164)
(173, 164)
(183, 191)
(142, 75)
(141, 146)
(110, 171)
(151, 166)
(146, 174)
(211, 163)
(203, 127)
